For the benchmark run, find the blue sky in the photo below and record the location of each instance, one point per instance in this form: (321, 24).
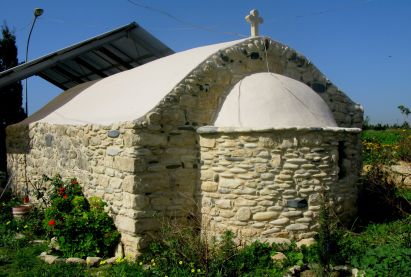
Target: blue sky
(362, 46)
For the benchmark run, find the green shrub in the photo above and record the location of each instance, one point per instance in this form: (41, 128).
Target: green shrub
(82, 228)
(180, 251)
(404, 148)
(381, 250)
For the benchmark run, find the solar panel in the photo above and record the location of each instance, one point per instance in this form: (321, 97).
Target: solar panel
(112, 52)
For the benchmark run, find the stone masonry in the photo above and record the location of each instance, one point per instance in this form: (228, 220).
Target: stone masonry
(149, 168)
(269, 183)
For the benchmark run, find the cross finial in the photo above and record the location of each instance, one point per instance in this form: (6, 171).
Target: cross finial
(254, 19)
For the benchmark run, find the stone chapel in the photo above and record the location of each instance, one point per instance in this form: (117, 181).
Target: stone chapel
(245, 134)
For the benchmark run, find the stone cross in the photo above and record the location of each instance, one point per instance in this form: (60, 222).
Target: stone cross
(254, 19)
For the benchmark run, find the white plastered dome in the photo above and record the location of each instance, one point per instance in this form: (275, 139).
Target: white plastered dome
(268, 100)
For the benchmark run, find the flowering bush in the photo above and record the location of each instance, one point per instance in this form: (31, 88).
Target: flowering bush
(82, 227)
(386, 147)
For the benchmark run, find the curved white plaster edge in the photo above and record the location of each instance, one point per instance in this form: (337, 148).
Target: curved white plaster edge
(216, 130)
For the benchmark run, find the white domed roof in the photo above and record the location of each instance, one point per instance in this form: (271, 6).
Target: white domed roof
(268, 100)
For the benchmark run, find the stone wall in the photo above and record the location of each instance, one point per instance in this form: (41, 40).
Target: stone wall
(144, 174)
(269, 183)
(102, 158)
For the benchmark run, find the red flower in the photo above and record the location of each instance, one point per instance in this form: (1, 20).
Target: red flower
(26, 199)
(61, 191)
(65, 196)
(52, 222)
(74, 182)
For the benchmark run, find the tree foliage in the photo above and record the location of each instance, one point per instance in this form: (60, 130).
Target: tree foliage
(404, 110)
(11, 110)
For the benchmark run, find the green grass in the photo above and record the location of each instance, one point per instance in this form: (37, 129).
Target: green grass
(389, 137)
(386, 146)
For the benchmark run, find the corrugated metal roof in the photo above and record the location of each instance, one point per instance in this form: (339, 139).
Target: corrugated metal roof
(112, 52)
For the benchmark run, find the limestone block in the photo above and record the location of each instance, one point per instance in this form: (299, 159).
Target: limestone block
(134, 201)
(276, 240)
(227, 175)
(258, 225)
(113, 151)
(124, 163)
(307, 242)
(296, 227)
(304, 220)
(95, 141)
(245, 165)
(238, 170)
(267, 203)
(251, 184)
(243, 214)
(306, 235)
(284, 177)
(209, 186)
(219, 168)
(146, 139)
(182, 140)
(126, 224)
(266, 191)
(223, 204)
(261, 168)
(246, 176)
(265, 216)
(250, 145)
(267, 176)
(115, 183)
(241, 202)
(226, 213)
(207, 142)
(224, 190)
(207, 156)
(245, 191)
(75, 261)
(280, 222)
(109, 172)
(241, 153)
(297, 161)
(271, 231)
(93, 261)
(129, 184)
(290, 166)
(286, 143)
(230, 183)
(50, 259)
(292, 213)
(314, 199)
(248, 232)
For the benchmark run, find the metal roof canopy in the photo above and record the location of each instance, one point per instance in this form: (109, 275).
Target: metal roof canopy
(112, 52)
